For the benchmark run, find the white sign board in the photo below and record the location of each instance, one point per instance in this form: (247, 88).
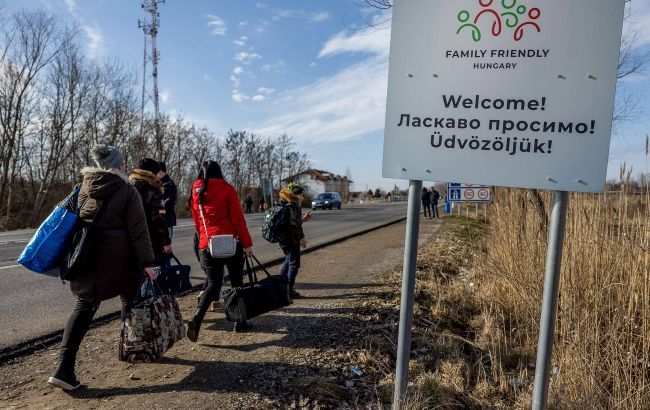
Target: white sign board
(502, 92)
(469, 193)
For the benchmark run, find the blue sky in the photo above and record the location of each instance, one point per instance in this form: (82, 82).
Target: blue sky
(288, 65)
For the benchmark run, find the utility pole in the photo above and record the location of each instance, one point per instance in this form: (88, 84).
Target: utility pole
(150, 26)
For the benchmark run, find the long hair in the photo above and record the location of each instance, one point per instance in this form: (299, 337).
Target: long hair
(209, 170)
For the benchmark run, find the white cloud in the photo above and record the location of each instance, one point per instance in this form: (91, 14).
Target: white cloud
(242, 24)
(366, 41)
(207, 77)
(312, 64)
(96, 40)
(241, 41)
(71, 5)
(639, 22)
(238, 70)
(239, 97)
(277, 66)
(259, 98)
(265, 90)
(164, 95)
(318, 17)
(343, 106)
(217, 25)
(246, 58)
(235, 80)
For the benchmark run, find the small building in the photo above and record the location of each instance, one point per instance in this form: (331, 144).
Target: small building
(317, 181)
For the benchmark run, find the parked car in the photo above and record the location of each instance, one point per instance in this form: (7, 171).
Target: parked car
(327, 200)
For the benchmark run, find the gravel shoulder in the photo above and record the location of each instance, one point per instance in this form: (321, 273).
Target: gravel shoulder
(294, 357)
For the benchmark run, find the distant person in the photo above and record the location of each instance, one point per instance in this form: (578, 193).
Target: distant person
(223, 216)
(426, 202)
(170, 197)
(145, 179)
(120, 253)
(435, 197)
(292, 197)
(249, 204)
(261, 203)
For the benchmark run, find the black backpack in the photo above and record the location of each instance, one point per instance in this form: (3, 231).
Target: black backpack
(274, 227)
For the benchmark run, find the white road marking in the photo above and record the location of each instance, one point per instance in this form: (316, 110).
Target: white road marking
(9, 267)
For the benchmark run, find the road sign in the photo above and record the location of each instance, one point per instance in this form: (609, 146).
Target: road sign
(267, 186)
(469, 193)
(512, 93)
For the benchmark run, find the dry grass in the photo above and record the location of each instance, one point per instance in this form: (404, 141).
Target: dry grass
(602, 348)
(478, 297)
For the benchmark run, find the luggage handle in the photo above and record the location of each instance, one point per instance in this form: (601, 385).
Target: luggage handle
(252, 276)
(171, 255)
(261, 266)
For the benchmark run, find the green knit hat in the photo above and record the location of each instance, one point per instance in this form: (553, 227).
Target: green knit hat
(295, 188)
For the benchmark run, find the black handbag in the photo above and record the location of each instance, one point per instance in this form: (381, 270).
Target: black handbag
(175, 278)
(258, 296)
(77, 255)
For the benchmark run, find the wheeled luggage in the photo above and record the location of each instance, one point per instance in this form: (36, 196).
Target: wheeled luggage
(258, 296)
(175, 278)
(152, 326)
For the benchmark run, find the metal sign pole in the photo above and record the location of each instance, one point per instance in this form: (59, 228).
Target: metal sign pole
(549, 302)
(408, 291)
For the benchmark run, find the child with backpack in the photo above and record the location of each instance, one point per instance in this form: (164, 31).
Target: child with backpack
(293, 238)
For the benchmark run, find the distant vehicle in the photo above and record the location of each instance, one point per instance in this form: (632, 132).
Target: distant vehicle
(327, 200)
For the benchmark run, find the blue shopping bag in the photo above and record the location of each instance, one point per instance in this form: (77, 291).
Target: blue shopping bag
(44, 250)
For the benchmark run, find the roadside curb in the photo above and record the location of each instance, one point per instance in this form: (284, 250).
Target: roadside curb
(43, 342)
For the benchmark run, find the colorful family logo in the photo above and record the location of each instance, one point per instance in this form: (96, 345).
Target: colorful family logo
(514, 16)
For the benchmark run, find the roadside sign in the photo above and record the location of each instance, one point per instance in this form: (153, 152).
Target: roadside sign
(507, 93)
(469, 193)
(267, 186)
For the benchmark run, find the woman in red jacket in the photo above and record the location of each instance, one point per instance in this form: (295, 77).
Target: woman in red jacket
(223, 216)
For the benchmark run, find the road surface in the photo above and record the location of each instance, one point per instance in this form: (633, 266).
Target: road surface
(32, 305)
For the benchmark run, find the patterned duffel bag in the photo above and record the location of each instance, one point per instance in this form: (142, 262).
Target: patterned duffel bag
(151, 327)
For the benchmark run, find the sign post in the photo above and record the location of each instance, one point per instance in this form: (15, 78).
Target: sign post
(516, 93)
(408, 291)
(549, 302)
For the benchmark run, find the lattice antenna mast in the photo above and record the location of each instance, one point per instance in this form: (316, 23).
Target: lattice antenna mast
(150, 26)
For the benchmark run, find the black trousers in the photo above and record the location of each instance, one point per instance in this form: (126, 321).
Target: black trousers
(427, 209)
(78, 325)
(214, 270)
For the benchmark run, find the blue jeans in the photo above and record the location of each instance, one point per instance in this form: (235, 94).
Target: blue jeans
(435, 210)
(291, 263)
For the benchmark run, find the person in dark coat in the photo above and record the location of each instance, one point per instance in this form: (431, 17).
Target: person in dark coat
(145, 179)
(119, 257)
(261, 203)
(435, 197)
(170, 197)
(249, 204)
(426, 202)
(294, 240)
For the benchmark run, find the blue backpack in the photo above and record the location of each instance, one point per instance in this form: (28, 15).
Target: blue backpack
(274, 227)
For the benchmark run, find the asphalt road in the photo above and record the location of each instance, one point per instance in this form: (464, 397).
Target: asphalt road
(32, 305)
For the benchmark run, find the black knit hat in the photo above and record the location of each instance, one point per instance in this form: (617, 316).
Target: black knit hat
(150, 165)
(163, 166)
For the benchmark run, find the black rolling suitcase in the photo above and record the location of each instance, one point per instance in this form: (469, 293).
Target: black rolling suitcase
(258, 296)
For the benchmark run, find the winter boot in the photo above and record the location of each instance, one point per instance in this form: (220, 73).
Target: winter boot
(64, 376)
(194, 325)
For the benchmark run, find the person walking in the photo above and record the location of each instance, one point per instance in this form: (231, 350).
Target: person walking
(223, 216)
(435, 197)
(261, 203)
(249, 204)
(292, 197)
(145, 179)
(170, 197)
(426, 202)
(119, 257)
